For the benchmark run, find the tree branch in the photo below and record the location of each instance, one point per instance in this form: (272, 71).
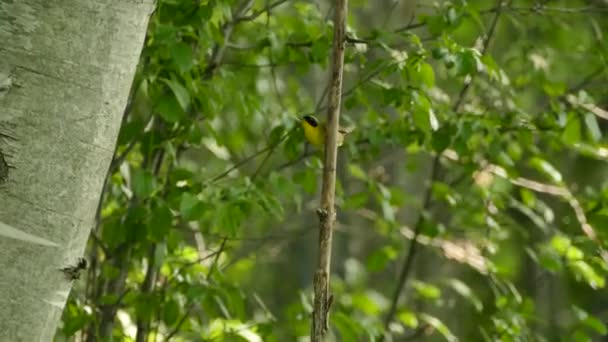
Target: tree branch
(409, 259)
(218, 49)
(327, 211)
(536, 9)
(257, 13)
(486, 44)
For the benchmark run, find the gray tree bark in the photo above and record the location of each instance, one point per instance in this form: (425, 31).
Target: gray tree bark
(65, 72)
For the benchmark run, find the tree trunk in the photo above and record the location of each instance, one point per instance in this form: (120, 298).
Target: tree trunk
(65, 72)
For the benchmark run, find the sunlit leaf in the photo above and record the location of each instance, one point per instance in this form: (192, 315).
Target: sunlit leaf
(408, 318)
(586, 272)
(465, 291)
(439, 326)
(572, 131)
(426, 290)
(546, 168)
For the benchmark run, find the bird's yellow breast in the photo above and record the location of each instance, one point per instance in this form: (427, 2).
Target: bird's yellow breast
(314, 135)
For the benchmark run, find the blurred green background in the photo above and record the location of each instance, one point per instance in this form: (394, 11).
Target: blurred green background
(472, 202)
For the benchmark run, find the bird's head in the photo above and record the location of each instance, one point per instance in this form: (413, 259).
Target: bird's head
(311, 120)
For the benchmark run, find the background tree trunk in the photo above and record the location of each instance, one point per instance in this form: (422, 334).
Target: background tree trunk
(65, 72)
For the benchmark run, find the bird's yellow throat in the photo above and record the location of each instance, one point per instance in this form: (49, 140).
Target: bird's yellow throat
(314, 131)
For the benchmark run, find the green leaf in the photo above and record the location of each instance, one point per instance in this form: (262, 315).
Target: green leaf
(319, 51)
(171, 312)
(465, 291)
(369, 302)
(169, 109)
(585, 271)
(357, 172)
(435, 24)
(348, 326)
(427, 75)
(468, 62)
(143, 182)
(380, 258)
(550, 259)
(230, 218)
(180, 92)
(356, 201)
(164, 34)
(75, 319)
(425, 119)
(270, 204)
(592, 127)
(146, 305)
(554, 89)
(160, 222)
(439, 326)
(392, 96)
(579, 336)
(408, 319)
(442, 138)
(293, 144)
(574, 253)
(112, 234)
(181, 53)
(527, 197)
(190, 207)
(572, 131)
(426, 290)
(248, 334)
(561, 244)
(596, 324)
(307, 179)
(546, 168)
(276, 135)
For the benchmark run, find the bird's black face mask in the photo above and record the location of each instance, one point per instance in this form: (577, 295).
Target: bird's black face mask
(311, 121)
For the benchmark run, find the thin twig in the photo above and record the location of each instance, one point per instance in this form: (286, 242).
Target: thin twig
(217, 258)
(267, 8)
(217, 53)
(250, 158)
(486, 44)
(147, 287)
(539, 9)
(190, 305)
(531, 10)
(180, 322)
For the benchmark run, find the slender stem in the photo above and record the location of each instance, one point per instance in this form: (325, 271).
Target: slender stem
(190, 305)
(327, 211)
(217, 54)
(486, 44)
(409, 259)
(266, 9)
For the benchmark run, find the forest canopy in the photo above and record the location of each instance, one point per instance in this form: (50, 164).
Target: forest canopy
(471, 198)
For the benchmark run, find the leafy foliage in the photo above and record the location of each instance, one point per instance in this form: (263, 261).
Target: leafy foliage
(471, 197)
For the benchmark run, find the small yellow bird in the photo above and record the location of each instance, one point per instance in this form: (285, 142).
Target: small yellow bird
(314, 131)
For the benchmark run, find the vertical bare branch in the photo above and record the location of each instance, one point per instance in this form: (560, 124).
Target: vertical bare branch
(327, 212)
